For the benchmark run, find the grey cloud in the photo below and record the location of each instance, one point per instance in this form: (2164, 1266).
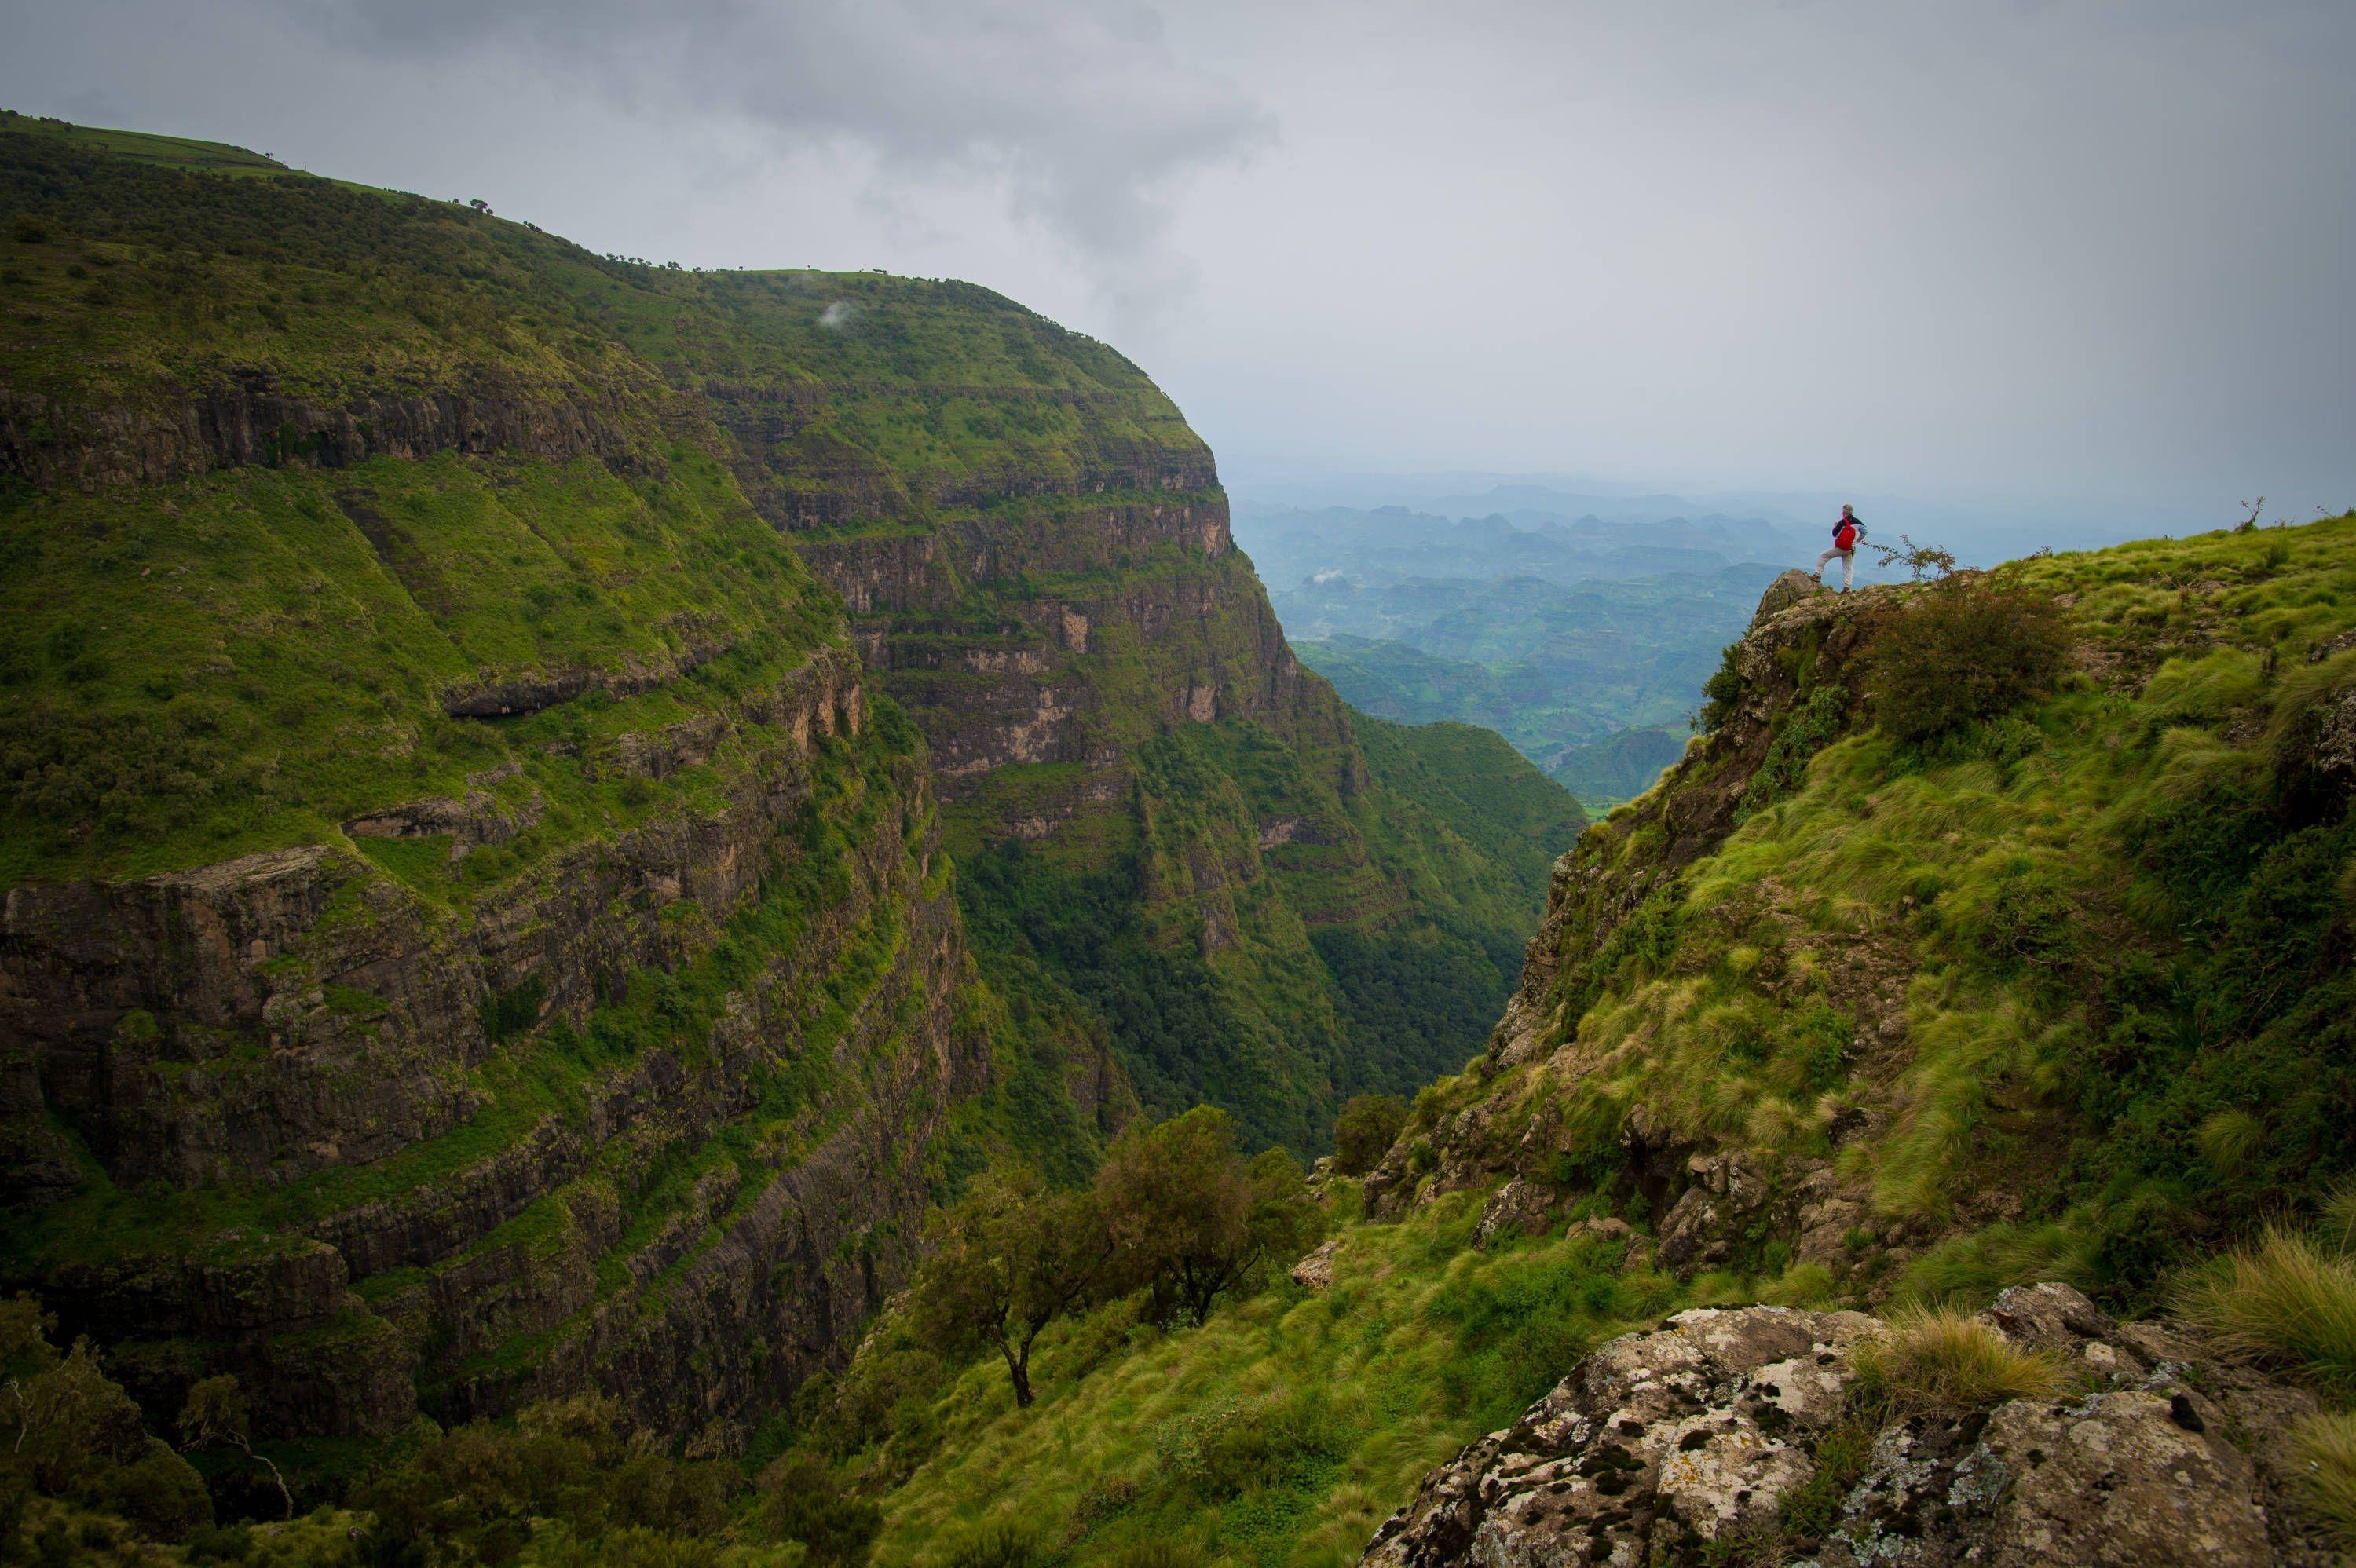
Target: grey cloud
(1082, 108)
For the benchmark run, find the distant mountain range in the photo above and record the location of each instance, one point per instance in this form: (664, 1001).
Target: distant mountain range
(1578, 626)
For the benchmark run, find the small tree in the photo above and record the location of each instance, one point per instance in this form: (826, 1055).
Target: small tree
(1191, 1220)
(1008, 1261)
(1921, 561)
(1364, 1131)
(216, 1413)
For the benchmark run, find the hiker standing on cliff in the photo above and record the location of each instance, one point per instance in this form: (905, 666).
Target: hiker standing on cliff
(1845, 535)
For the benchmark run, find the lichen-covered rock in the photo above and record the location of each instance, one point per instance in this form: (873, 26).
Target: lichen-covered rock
(1679, 1437)
(1691, 1444)
(1522, 1208)
(1315, 1272)
(1786, 591)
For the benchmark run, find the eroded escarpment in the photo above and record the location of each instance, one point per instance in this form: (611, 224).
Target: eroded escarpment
(653, 1121)
(1708, 1199)
(247, 416)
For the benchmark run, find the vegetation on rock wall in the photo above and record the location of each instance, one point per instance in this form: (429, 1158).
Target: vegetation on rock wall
(484, 730)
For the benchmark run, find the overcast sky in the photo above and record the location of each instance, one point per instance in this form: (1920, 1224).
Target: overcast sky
(2039, 250)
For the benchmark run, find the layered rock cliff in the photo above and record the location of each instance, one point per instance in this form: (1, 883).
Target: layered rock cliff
(481, 922)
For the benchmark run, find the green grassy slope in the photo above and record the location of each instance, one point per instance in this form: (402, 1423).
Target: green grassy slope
(869, 416)
(222, 631)
(324, 508)
(2116, 928)
(2106, 938)
(258, 657)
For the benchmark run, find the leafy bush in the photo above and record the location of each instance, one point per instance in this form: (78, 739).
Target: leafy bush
(481, 1492)
(1939, 1359)
(79, 1436)
(1965, 652)
(801, 1501)
(1191, 1221)
(1720, 692)
(1364, 1131)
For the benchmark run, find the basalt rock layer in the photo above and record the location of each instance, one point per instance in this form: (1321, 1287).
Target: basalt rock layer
(483, 731)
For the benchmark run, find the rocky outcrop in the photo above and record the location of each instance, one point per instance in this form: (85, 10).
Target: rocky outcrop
(246, 418)
(1705, 1442)
(1709, 1199)
(288, 1049)
(1813, 641)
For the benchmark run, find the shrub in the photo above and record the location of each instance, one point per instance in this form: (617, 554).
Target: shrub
(1940, 1359)
(2287, 1300)
(1964, 652)
(801, 1501)
(2326, 1444)
(1806, 730)
(1191, 1221)
(1364, 1131)
(1720, 693)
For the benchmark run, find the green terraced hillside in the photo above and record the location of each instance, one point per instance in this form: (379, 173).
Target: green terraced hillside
(549, 802)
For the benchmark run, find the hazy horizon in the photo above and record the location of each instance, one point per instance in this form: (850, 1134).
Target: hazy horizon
(2053, 260)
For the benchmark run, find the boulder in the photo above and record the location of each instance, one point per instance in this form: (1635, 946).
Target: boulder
(1790, 589)
(1683, 1444)
(1655, 1442)
(1315, 1272)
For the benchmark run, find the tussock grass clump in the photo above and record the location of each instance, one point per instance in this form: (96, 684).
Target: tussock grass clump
(995, 1546)
(1979, 1265)
(2230, 1139)
(1940, 1359)
(2325, 1445)
(2290, 1300)
(1160, 1554)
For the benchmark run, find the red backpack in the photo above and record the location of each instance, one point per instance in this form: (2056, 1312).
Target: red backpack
(1844, 534)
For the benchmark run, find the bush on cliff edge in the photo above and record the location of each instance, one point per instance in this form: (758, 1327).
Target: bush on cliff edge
(1964, 652)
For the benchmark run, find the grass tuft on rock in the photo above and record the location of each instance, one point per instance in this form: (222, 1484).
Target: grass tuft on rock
(2289, 1300)
(1943, 1361)
(2325, 1445)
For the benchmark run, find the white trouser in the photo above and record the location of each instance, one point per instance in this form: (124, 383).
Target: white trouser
(1848, 561)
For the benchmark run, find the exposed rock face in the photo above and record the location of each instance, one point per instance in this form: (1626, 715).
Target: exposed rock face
(1698, 1443)
(1657, 1442)
(280, 1024)
(247, 419)
(1152, 621)
(1708, 1200)
(1315, 1271)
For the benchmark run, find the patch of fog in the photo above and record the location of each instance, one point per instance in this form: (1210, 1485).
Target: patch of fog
(838, 315)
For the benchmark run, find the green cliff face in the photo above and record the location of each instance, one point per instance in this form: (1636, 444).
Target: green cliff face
(2060, 992)
(483, 734)
(1826, 1019)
